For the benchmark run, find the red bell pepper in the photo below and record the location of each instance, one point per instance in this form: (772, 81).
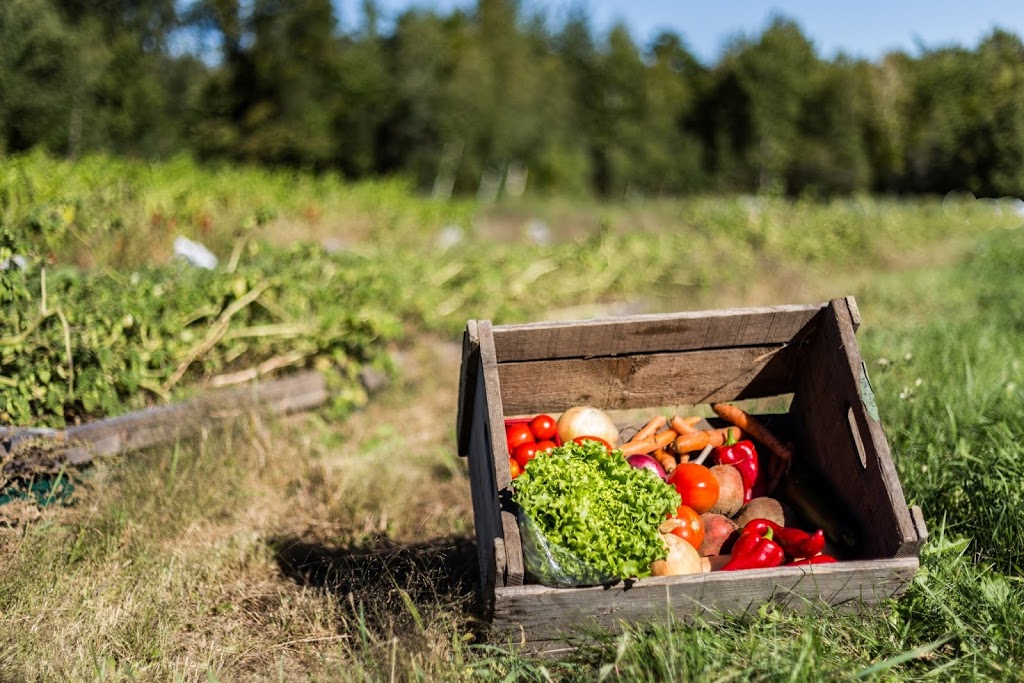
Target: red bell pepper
(797, 543)
(743, 456)
(817, 559)
(754, 550)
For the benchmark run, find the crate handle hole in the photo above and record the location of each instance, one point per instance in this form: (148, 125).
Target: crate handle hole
(851, 418)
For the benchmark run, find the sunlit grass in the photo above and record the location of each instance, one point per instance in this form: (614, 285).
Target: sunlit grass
(307, 549)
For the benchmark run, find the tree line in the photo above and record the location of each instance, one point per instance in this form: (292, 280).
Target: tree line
(494, 98)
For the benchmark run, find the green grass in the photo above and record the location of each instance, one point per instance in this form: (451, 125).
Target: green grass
(309, 548)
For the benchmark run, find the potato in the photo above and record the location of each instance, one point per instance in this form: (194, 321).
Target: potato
(761, 508)
(719, 534)
(730, 490)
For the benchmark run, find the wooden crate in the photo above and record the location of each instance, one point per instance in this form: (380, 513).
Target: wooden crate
(805, 352)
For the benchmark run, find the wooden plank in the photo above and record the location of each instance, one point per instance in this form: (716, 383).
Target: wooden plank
(467, 386)
(645, 380)
(484, 494)
(162, 424)
(514, 568)
(165, 423)
(544, 615)
(844, 442)
(686, 331)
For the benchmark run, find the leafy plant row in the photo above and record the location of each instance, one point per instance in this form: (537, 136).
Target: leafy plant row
(77, 345)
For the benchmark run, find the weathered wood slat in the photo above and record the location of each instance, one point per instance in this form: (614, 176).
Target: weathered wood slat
(162, 424)
(828, 395)
(484, 494)
(511, 544)
(645, 380)
(549, 616)
(655, 333)
(165, 423)
(467, 386)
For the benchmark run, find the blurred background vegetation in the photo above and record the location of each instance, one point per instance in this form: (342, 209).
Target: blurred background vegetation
(491, 99)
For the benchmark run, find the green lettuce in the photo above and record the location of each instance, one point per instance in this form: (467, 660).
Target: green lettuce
(597, 507)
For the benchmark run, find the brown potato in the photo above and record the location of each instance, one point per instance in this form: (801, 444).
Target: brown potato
(761, 508)
(719, 534)
(730, 490)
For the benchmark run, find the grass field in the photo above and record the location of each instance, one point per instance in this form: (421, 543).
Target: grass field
(314, 548)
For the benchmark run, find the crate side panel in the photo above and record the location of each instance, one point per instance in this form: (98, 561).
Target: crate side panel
(491, 390)
(541, 614)
(470, 366)
(843, 442)
(484, 493)
(686, 331)
(643, 380)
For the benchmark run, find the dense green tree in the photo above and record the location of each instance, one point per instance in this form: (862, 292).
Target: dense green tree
(829, 153)
(673, 152)
(774, 78)
(494, 98)
(37, 55)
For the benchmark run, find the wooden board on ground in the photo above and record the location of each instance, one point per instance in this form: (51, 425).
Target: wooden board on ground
(163, 424)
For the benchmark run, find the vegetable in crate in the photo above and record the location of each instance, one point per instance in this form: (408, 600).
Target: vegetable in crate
(587, 421)
(797, 543)
(596, 508)
(696, 485)
(743, 456)
(755, 550)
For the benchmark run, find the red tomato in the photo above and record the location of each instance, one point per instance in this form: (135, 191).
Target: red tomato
(696, 485)
(518, 433)
(546, 445)
(524, 453)
(514, 468)
(581, 439)
(689, 527)
(544, 427)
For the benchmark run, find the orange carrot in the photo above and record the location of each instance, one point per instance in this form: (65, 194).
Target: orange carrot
(752, 426)
(663, 439)
(684, 425)
(649, 429)
(651, 443)
(696, 441)
(667, 460)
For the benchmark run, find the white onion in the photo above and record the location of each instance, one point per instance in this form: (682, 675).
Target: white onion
(682, 558)
(587, 421)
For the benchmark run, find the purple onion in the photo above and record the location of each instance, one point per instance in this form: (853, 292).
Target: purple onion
(646, 462)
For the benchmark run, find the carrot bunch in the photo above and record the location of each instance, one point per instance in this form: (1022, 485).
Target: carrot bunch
(673, 440)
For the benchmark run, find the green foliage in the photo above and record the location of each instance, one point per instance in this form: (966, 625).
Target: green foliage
(95, 344)
(498, 98)
(102, 320)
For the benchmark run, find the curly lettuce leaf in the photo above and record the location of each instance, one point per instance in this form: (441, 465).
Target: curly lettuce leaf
(597, 507)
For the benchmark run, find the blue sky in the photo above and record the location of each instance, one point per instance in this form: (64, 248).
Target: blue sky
(865, 28)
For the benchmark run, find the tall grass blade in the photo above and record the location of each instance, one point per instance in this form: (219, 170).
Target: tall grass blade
(889, 663)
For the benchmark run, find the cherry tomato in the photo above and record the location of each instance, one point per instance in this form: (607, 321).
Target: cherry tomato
(518, 433)
(696, 485)
(581, 439)
(690, 526)
(544, 427)
(546, 445)
(514, 468)
(524, 453)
